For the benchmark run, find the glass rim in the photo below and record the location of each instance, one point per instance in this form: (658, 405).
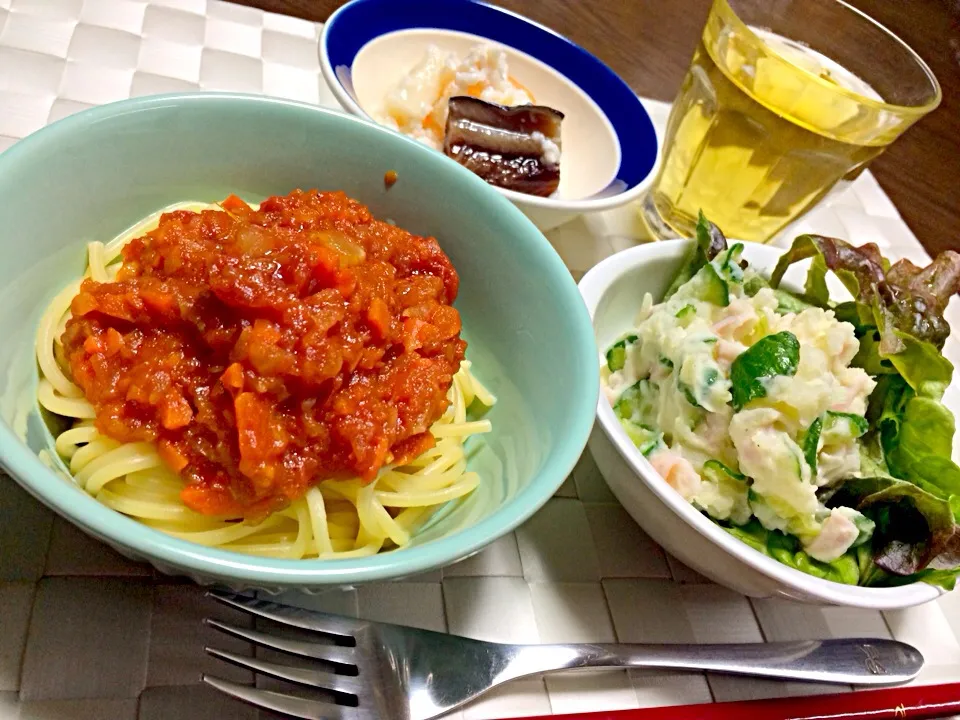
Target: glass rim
(904, 110)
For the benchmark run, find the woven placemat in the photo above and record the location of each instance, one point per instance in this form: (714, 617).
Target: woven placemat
(87, 635)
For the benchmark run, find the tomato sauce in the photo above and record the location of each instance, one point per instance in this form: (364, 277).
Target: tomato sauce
(265, 351)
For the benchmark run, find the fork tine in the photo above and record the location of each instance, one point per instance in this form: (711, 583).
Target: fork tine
(297, 707)
(328, 653)
(287, 615)
(347, 684)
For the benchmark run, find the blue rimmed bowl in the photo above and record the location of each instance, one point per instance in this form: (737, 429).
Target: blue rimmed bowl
(94, 174)
(608, 140)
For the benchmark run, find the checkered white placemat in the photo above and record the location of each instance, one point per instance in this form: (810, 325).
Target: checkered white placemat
(87, 635)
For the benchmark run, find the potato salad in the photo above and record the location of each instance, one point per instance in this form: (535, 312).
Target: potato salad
(744, 411)
(812, 430)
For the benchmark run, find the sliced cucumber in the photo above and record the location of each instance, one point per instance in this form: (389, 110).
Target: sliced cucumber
(865, 526)
(697, 392)
(686, 314)
(732, 490)
(707, 379)
(729, 263)
(796, 455)
(617, 354)
(688, 394)
(847, 424)
(707, 285)
(710, 376)
(787, 303)
(716, 470)
(645, 438)
(635, 403)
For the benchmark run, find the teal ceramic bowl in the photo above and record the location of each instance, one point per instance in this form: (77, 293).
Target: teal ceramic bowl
(530, 338)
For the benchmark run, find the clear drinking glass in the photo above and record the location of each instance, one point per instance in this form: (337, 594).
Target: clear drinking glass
(783, 100)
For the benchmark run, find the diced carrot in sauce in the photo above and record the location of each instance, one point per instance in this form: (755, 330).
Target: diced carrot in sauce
(160, 303)
(172, 455)
(175, 411)
(211, 500)
(234, 203)
(261, 365)
(412, 327)
(233, 377)
(346, 283)
(114, 342)
(259, 437)
(326, 266)
(83, 303)
(378, 314)
(410, 448)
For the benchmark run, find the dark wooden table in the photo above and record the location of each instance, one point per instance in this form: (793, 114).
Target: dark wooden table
(650, 42)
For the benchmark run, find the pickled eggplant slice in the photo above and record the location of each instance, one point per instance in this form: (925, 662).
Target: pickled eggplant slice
(516, 148)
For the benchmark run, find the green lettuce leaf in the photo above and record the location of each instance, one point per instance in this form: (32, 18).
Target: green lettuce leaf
(947, 579)
(916, 434)
(858, 268)
(786, 302)
(834, 427)
(710, 243)
(913, 527)
(922, 366)
(872, 461)
(777, 354)
(786, 549)
(857, 314)
(815, 288)
(900, 297)
(868, 355)
(919, 363)
(810, 442)
(897, 314)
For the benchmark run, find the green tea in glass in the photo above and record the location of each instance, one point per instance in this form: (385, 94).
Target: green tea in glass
(783, 100)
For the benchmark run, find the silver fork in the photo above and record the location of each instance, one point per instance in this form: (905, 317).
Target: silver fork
(379, 671)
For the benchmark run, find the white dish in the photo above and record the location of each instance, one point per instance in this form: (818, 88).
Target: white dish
(613, 291)
(608, 144)
(591, 151)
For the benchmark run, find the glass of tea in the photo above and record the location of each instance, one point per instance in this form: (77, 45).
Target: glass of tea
(783, 100)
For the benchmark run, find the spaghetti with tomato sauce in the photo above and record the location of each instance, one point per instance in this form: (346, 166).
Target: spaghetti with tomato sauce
(271, 358)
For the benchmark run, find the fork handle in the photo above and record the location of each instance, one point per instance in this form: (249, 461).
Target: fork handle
(847, 661)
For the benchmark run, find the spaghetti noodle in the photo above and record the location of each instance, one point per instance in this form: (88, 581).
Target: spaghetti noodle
(336, 518)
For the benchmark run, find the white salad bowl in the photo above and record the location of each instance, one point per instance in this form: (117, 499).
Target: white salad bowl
(609, 146)
(613, 291)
